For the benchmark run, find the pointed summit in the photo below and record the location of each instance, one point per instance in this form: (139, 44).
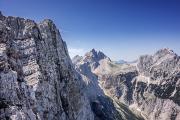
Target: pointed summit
(76, 59)
(95, 55)
(164, 53)
(93, 50)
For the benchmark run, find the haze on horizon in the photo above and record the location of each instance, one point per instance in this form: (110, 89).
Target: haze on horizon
(121, 29)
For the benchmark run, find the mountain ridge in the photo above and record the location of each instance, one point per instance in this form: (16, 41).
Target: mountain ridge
(38, 80)
(152, 81)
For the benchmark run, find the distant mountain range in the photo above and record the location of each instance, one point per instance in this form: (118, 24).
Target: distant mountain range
(39, 81)
(139, 90)
(120, 61)
(124, 62)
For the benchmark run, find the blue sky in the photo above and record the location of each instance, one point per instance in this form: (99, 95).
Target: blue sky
(122, 29)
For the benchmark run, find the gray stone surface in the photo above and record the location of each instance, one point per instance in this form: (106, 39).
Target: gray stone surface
(37, 78)
(93, 68)
(150, 87)
(158, 95)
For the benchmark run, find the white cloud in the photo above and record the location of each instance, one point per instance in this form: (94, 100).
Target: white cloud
(76, 51)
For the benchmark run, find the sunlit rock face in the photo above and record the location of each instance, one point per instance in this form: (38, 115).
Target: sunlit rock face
(92, 67)
(150, 87)
(157, 89)
(37, 79)
(101, 105)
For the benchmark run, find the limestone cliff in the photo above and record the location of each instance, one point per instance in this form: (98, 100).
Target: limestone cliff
(150, 87)
(37, 79)
(93, 67)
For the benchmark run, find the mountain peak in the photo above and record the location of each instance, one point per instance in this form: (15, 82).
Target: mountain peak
(93, 50)
(165, 53)
(95, 55)
(42, 60)
(76, 59)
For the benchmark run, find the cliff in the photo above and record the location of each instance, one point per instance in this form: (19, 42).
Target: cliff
(150, 87)
(37, 78)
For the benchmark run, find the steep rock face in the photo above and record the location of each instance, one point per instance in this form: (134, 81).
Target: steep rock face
(150, 87)
(93, 67)
(37, 80)
(156, 90)
(101, 105)
(119, 86)
(103, 73)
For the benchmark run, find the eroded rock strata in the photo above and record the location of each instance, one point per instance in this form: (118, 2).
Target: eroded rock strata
(93, 67)
(150, 87)
(37, 79)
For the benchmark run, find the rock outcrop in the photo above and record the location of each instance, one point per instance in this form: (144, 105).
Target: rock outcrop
(93, 67)
(150, 88)
(37, 78)
(157, 89)
(102, 106)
